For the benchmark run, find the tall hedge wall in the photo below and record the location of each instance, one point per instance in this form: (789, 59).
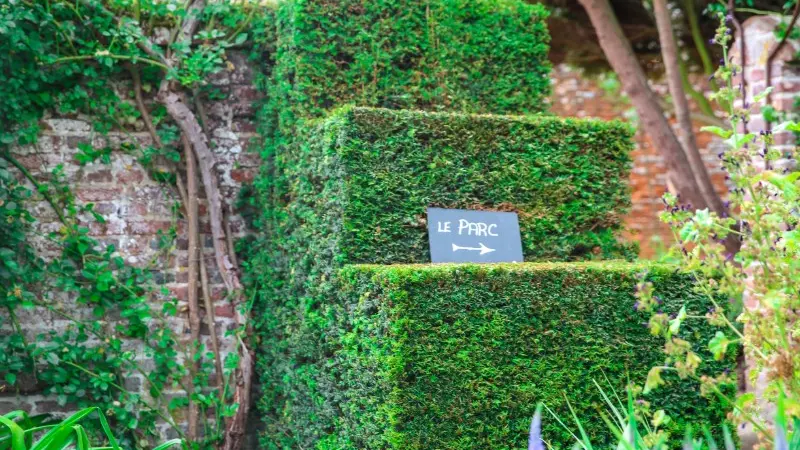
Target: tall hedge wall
(457, 356)
(478, 56)
(487, 56)
(357, 191)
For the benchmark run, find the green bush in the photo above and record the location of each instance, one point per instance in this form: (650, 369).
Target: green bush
(356, 192)
(487, 56)
(458, 356)
(478, 56)
(378, 170)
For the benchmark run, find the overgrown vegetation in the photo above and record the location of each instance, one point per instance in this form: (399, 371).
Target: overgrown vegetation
(18, 431)
(758, 283)
(100, 59)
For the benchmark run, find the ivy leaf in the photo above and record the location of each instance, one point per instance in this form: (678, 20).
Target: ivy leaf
(719, 131)
(719, 345)
(654, 379)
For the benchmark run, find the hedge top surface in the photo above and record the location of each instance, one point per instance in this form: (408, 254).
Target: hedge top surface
(617, 266)
(566, 178)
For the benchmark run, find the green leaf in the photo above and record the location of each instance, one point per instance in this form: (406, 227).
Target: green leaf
(168, 444)
(719, 345)
(719, 131)
(17, 433)
(654, 379)
(675, 324)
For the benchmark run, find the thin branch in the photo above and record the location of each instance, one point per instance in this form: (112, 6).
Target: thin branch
(742, 51)
(5, 154)
(779, 47)
(211, 323)
(699, 42)
(194, 308)
(148, 121)
(697, 96)
(133, 59)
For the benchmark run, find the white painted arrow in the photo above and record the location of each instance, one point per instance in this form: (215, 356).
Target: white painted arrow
(483, 249)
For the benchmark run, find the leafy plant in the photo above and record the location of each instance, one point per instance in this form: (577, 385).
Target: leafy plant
(18, 431)
(754, 292)
(635, 432)
(97, 58)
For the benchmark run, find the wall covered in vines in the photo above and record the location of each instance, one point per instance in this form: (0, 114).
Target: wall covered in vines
(123, 148)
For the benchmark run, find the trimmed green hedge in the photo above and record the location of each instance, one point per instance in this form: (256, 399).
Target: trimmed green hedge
(487, 56)
(378, 170)
(458, 356)
(356, 191)
(477, 56)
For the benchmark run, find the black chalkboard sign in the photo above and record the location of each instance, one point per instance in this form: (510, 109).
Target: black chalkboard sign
(459, 235)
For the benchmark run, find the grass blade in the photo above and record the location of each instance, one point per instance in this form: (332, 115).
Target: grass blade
(16, 432)
(169, 444)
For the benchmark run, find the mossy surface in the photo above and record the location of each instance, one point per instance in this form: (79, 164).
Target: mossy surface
(458, 356)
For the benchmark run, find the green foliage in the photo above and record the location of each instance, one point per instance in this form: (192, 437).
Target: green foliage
(474, 56)
(18, 431)
(380, 169)
(483, 56)
(359, 188)
(454, 356)
(759, 282)
(93, 57)
(630, 425)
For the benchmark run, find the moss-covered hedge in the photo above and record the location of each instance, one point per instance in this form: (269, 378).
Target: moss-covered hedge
(379, 170)
(457, 356)
(356, 192)
(477, 56)
(487, 56)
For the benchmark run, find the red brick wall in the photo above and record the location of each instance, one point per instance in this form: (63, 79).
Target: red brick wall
(575, 95)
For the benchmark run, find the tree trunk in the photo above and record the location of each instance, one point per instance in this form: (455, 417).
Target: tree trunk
(190, 127)
(669, 52)
(620, 55)
(242, 378)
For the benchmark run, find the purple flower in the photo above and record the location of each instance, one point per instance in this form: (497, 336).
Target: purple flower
(535, 436)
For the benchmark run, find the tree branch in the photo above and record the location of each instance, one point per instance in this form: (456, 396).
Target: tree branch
(699, 41)
(193, 268)
(189, 125)
(669, 52)
(778, 48)
(620, 55)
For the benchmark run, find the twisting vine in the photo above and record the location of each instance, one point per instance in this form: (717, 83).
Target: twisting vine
(73, 57)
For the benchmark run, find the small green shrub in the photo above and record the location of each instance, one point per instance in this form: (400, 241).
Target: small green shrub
(455, 356)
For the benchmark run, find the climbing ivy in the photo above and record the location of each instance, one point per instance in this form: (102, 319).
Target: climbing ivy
(99, 58)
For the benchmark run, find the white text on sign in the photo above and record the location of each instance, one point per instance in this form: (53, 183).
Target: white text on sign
(465, 227)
